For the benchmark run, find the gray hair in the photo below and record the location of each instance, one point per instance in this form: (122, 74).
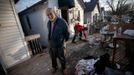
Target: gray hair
(50, 10)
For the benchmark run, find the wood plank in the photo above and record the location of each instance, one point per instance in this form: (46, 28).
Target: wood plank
(15, 56)
(7, 24)
(8, 28)
(10, 40)
(6, 16)
(12, 46)
(32, 37)
(5, 5)
(7, 21)
(8, 31)
(6, 9)
(4, 1)
(12, 36)
(6, 12)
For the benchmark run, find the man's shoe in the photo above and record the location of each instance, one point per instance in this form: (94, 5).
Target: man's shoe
(73, 42)
(64, 72)
(80, 38)
(54, 70)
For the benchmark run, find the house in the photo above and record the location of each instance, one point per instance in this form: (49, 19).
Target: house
(102, 14)
(34, 19)
(13, 48)
(76, 14)
(92, 11)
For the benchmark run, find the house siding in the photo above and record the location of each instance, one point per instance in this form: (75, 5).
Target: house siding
(13, 49)
(53, 3)
(38, 20)
(79, 8)
(89, 15)
(77, 5)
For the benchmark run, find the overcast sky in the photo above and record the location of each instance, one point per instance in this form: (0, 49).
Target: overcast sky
(22, 4)
(105, 5)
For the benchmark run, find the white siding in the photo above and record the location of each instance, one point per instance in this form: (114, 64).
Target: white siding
(79, 8)
(96, 11)
(77, 5)
(13, 47)
(89, 15)
(53, 3)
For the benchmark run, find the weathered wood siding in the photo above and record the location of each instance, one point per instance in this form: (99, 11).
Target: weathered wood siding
(13, 47)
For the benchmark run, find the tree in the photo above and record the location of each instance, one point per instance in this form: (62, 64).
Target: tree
(119, 8)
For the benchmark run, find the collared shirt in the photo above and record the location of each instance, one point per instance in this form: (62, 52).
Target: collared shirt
(52, 26)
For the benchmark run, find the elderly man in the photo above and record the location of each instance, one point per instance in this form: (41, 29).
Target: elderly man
(58, 33)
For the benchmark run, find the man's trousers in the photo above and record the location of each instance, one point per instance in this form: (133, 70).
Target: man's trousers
(57, 53)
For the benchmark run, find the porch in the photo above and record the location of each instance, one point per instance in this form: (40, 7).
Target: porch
(41, 63)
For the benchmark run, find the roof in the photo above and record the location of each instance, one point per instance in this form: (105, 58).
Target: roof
(36, 4)
(42, 1)
(16, 1)
(91, 5)
(67, 4)
(82, 3)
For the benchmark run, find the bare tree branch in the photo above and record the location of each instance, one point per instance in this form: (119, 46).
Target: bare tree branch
(119, 9)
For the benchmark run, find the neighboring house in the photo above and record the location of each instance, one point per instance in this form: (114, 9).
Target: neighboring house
(76, 14)
(13, 48)
(92, 12)
(102, 14)
(34, 19)
(126, 18)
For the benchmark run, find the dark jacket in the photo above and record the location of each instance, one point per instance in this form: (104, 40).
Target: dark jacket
(60, 33)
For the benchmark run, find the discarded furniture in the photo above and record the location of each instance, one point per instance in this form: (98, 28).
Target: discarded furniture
(127, 39)
(108, 37)
(34, 44)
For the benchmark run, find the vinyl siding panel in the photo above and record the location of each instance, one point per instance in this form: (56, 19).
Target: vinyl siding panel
(12, 45)
(6, 12)
(7, 15)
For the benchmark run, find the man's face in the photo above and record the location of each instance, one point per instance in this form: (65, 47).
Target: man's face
(51, 16)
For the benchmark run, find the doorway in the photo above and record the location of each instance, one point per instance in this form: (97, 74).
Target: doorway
(64, 14)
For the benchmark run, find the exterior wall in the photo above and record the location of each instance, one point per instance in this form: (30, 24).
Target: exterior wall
(102, 15)
(73, 13)
(87, 17)
(53, 3)
(94, 12)
(77, 5)
(13, 49)
(38, 21)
